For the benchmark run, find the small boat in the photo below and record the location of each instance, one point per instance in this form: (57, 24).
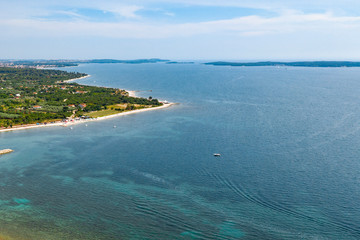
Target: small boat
(114, 126)
(217, 155)
(5, 151)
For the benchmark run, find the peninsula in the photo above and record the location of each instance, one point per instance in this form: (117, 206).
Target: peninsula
(32, 97)
(69, 63)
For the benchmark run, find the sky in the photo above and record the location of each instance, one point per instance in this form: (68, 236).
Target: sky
(244, 30)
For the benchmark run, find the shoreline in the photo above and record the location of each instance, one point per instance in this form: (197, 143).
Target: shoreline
(131, 93)
(65, 124)
(74, 79)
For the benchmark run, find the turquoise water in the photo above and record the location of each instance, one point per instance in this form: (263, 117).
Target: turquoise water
(290, 169)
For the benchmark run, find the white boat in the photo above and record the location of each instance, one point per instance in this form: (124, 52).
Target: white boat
(217, 155)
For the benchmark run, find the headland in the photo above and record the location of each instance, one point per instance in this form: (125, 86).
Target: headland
(33, 98)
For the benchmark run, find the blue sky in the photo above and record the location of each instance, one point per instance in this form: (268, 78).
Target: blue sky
(181, 29)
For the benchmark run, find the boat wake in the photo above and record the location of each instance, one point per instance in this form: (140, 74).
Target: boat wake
(264, 202)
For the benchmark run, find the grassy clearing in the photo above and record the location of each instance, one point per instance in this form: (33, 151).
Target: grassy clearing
(3, 237)
(114, 109)
(121, 106)
(102, 113)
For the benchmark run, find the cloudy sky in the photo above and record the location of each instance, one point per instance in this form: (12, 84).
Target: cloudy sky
(181, 29)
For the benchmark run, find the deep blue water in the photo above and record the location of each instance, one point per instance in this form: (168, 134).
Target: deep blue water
(290, 165)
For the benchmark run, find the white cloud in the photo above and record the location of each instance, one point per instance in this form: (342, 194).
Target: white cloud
(38, 8)
(169, 14)
(127, 11)
(69, 13)
(300, 29)
(246, 26)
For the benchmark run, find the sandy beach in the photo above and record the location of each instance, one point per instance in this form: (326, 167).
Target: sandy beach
(74, 79)
(69, 123)
(131, 93)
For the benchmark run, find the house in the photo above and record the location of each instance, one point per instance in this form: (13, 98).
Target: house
(36, 107)
(17, 95)
(82, 105)
(71, 105)
(77, 92)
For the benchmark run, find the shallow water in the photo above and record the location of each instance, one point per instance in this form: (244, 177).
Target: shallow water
(289, 167)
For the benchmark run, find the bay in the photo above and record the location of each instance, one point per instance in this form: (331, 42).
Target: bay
(289, 167)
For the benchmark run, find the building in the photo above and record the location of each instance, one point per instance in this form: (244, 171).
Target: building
(82, 105)
(77, 92)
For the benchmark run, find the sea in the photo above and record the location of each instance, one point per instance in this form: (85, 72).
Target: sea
(289, 139)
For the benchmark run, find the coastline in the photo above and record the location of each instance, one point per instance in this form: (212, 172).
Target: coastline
(62, 124)
(74, 79)
(131, 93)
(65, 124)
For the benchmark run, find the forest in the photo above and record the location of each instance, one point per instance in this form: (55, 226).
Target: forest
(29, 95)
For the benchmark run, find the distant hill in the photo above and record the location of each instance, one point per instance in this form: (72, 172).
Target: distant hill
(37, 63)
(68, 63)
(289, 64)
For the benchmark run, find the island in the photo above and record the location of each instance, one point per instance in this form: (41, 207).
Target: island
(31, 97)
(288, 64)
